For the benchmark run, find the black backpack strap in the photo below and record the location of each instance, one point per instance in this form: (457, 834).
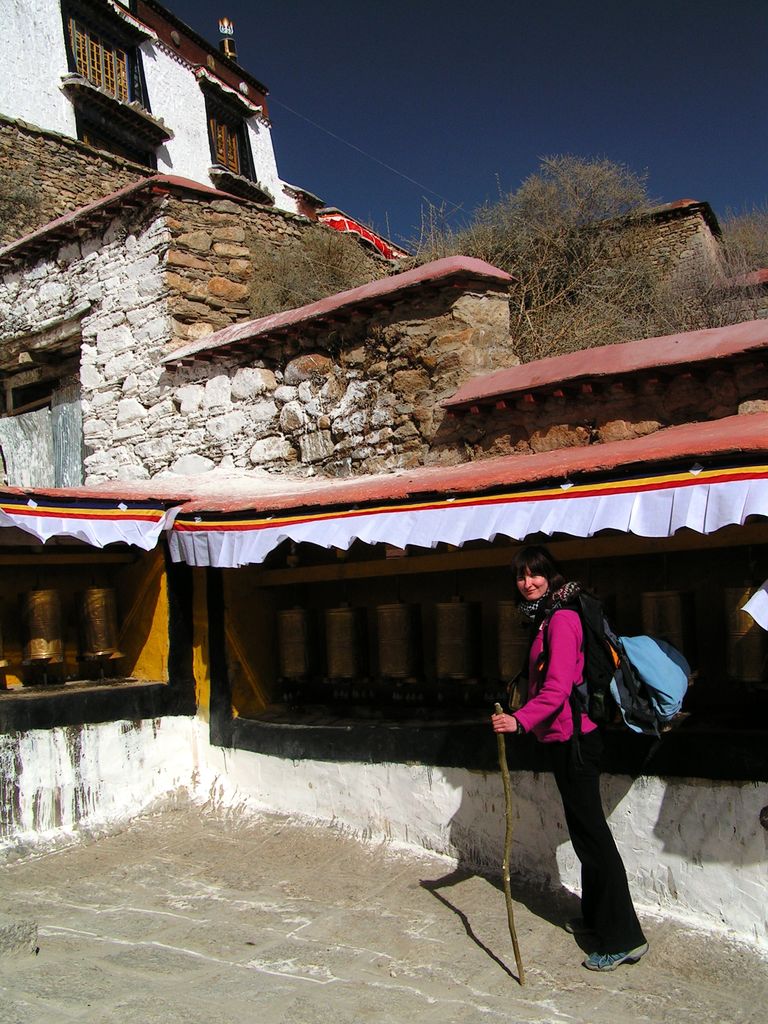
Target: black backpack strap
(633, 696)
(599, 666)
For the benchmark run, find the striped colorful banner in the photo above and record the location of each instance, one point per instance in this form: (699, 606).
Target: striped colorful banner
(701, 499)
(92, 521)
(562, 492)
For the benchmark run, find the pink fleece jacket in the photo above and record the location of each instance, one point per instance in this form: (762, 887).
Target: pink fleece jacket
(547, 713)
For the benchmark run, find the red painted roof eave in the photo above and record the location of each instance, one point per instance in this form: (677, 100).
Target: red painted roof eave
(109, 493)
(154, 184)
(387, 288)
(613, 360)
(733, 436)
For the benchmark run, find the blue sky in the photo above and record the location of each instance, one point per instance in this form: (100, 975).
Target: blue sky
(461, 100)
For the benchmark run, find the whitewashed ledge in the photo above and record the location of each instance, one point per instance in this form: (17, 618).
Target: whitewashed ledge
(694, 849)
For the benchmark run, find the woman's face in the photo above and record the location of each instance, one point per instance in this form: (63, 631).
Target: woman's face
(531, 587)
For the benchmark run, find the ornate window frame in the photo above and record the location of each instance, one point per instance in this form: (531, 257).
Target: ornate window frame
(106, 82)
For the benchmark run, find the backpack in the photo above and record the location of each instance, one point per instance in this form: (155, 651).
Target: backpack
(641, 676)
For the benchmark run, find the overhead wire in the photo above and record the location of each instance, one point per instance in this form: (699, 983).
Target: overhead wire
(453, 206)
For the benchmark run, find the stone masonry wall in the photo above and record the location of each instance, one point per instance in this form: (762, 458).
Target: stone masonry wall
(358, 398)
(361, 396)
(211, 265)
(682, 242)
(57, 173)
(118, 275)
(362, 399)
(613, 412)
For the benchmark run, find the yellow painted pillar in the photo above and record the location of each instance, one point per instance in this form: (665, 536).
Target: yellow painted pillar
(201, 663)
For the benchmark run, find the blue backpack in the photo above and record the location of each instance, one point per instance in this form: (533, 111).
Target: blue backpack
(657, 674)
(644, 678)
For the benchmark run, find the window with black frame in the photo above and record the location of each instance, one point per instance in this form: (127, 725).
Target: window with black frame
(106, 84)
(103, 49)
(228, 138)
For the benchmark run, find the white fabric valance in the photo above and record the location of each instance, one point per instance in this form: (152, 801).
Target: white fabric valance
(651, 506)
(97, 523)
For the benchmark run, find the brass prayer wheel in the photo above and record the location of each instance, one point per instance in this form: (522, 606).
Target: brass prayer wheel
(745, 643)
(3, 661)
(456, 625)
(343, 631)
(398, 634)
(667, 615)
(98, 623)
(514, 640)
(293, 635)
(42, 619)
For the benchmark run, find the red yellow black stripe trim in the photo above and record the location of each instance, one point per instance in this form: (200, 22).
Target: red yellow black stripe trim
(43, 511)
(222, 522)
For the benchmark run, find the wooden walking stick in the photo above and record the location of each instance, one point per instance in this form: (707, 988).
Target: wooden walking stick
(508, 846)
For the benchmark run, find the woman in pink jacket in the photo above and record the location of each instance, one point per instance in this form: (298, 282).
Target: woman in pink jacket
(556, 666)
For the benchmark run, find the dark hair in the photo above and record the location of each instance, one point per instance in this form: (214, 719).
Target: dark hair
(538, 561)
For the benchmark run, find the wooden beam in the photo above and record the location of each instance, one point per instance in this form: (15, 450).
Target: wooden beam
(570, 549)
(31, 559)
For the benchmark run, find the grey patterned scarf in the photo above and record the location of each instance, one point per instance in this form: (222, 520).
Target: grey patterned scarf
(549, 603)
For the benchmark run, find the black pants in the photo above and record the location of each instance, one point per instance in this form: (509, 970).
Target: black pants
(606, 904)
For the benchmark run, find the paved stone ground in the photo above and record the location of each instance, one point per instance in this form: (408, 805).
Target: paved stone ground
(188, 916)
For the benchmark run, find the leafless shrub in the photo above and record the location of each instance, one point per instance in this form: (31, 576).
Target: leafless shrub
(747, 235)
(564, 236)
(322, 262)
(575, 238)
(18, 205)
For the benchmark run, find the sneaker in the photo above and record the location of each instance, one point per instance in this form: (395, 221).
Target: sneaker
(610, 961)
(577, 926)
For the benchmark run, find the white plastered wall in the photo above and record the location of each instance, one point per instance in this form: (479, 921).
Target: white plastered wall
(265, 165)
(32, 44)
(59, 781)
(176, 97)
(694, 850)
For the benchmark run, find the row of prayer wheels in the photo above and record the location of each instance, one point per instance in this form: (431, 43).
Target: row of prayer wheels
(746, 648)
(41, 613)
(398, 641)
(342, 633)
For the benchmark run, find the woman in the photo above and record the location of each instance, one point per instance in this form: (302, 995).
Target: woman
(556, 666)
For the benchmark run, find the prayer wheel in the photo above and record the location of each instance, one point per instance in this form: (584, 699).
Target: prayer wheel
(514, 641)
(294, 643)
(42, 619)
(344, 646)
(667, 615)
(745, 643)
(398, 640)
(457, 628)
(98, 623)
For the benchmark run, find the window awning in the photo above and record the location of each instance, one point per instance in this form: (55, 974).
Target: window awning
(92, 521)
(652, 505)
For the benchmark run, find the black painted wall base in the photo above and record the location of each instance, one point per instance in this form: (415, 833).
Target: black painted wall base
(63, 706)
(470, 743)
